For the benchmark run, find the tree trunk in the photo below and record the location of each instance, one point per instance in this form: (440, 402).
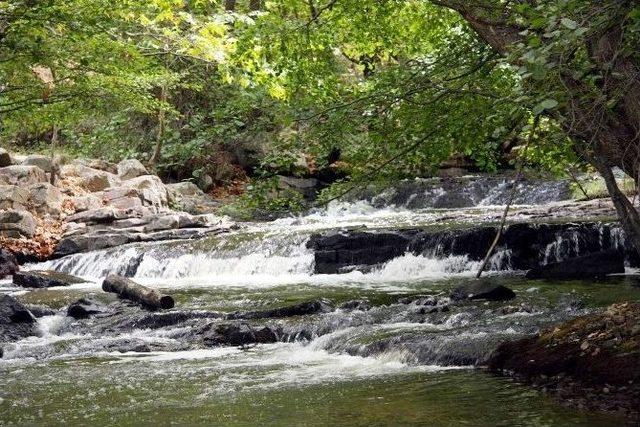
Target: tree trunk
(129, 289)
(155, 157)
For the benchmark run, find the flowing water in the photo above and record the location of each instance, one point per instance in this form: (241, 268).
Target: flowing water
(379, 360)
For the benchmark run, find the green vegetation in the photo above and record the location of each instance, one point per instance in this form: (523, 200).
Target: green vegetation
(389, 88)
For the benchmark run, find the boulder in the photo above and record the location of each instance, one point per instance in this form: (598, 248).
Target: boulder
(15, 224)
(5, 158)
(302, 309)
(43, 162)
(187, 197)
(593, 266)
(131, 168)
(151, 189)
(99, 164)
(85, 307)
(86, 202)
(45, 199)
(44, 279)
(13, 197)
(16, 322)
(90, 179)
(204, 182)
(238, 334)
(22, 175)
(482, 290)
(308, 187)
(8, 263)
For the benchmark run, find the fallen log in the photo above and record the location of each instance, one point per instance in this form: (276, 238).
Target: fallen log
(133, 291)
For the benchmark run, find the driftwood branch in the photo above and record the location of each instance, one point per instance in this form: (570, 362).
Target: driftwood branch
(133, 291)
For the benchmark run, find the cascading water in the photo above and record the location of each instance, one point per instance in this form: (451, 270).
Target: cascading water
(390, 326)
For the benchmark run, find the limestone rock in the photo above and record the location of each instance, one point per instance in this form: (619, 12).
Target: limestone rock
(152, 191)
(44, 198)
(43, 162)
(131, 168)
(90, 179)
(13, 197)
(17, 223)
(22, 175)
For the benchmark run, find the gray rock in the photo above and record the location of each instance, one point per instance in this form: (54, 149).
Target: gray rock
(43, 162)
(17, 223)
(86, 202)
(482, 290)
(151, 189)
(131, 168)
(8, 263)
(237, 334)
(44, 279)
(5, 158)
(167, 222)
(16, 322)
(85, 308)
(204, 182)
(99, 216)
(44, 198)
(22, 175)
(183, 189)
(92, 180)
(99, 164)
(86, 243)
(308, 187)
(13, 197)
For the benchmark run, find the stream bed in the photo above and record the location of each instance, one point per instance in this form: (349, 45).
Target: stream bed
(386, 347)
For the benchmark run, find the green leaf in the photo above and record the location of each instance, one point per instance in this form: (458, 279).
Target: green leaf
(547, 104)
(569, 23)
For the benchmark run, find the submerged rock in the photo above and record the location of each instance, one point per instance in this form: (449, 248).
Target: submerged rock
(16, 321)
(482, 290)
(238, 334)
(44, 279)
(86, 307)
(581, 358)
(302, 309)
(593, 266)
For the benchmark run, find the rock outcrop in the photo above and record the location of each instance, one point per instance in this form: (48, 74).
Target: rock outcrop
(593, 266)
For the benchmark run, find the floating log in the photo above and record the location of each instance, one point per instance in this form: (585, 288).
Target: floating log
(133, 291)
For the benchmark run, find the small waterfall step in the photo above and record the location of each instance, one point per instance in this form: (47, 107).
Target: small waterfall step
(523, 246)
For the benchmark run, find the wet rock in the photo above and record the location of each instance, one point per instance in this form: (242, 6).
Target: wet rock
(302, 309)
(16, 321)
(22, 175)
(39, 310)
(8, 263)
(482, 290)
(171, 318)
(356, 304)
(86, 307)
(17, 223)
(45, 199)
(13, 197)
(593, 266)
(131, 168)
(43, 162)
(5, 158)
(335, 251)
(419, 300)
(237, 334)
(584, 355)
(44, 279)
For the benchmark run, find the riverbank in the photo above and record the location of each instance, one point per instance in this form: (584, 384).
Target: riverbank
(591, 362)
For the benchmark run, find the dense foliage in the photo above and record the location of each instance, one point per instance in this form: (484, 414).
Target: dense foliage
(395, 87)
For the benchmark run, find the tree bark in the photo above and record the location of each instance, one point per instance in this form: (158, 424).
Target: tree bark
(131, 290)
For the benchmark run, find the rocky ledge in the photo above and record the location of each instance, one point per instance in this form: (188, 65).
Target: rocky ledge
(52, 208)
(591, 362)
